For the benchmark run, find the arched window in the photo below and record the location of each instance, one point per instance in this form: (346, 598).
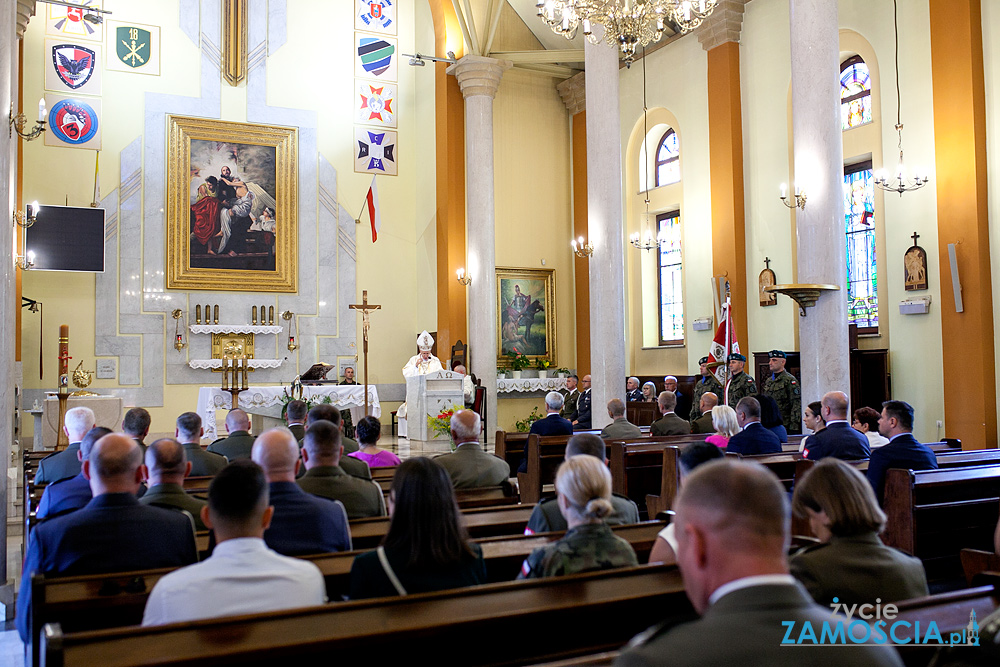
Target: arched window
(669, 279)
(862, 273)
(668, 155)
(855, 93)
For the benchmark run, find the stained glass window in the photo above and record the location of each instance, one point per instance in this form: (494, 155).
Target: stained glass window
(670, 288)
(859, 219)
(855, 93)
(668, 154)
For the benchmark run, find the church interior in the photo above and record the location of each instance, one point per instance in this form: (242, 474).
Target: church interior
(427, 157)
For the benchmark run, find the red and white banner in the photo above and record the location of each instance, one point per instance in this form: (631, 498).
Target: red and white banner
(721, 348)
(374, 217)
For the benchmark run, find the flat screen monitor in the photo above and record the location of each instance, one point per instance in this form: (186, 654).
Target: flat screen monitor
(67, 238)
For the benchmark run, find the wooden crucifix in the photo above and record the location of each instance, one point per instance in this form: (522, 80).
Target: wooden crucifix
(364, 307)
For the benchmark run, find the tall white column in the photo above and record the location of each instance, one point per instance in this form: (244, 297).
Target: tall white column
(479, 78)
(605, 230)
(819, 171)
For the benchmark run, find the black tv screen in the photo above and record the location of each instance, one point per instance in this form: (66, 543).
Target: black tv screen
(67, 238)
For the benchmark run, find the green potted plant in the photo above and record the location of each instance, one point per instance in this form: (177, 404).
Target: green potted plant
(543, 367)
(562, 373)
(518, 362)
(524, 425)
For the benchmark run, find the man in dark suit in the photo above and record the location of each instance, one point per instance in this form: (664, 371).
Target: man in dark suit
(703, 424)
(113, 533)
(469, 466)
(71, 493)
(54, 467)
(167, 466)
(189, 432)
(838, 439)
(632, 390)
(239, 442)
(295, 417)
(322, 455)
(669, 423)
(550, 424)
(352, 466)
(683, 406)
(571, 397)
(581, 418)
(903, 450)
(136, 426)
(754, 438)
(732, 536)
(302, 523)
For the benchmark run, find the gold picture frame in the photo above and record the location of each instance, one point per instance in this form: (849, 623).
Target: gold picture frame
(532, 293)
(232, 206)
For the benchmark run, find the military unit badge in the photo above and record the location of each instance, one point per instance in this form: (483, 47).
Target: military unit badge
(74, 64)
(376, 57)
(376, 104)
(74, 122)
(73, 21)
(375, 15)
(136, 48)
(376, 152)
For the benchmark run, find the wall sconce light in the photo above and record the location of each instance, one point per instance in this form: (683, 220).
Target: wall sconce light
(26, 259)
(800, 198)
(18, 121)
(463, 278)
(179, 343)
(287, 316)
(581, 249)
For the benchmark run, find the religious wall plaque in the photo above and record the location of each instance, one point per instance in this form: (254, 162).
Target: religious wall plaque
(915, 267)
(766, 279)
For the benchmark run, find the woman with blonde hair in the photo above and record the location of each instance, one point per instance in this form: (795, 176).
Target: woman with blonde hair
(851, 563)
(649, 392)
(725, 425)
(583, 491)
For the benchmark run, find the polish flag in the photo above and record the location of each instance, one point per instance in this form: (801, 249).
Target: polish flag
(373, 214)
(721, 348)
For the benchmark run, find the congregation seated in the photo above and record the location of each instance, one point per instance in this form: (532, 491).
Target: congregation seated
(732, 535)
(703, 423)
(239, 442)
(753, 438)
(71, 493)
(189, 432)
(469, 466)
(295, 418)
(770, 417)
(113, 533)
(632, 391)
(546, 516)
(838, 439)
(331, 414)
(64, 464)
(866, 422)
(135, 425)
(619, 428)
(369, 430)
(581, 417)
(167, 466)
(302, 523)
(553, 423)
(669, 423)
(693, 455)
(903, 450)
(242, 576)
(725, 426)
(426, 547)
(583, 493)
(570, 398)
(322, 453)
(812, 417)
(851, 564)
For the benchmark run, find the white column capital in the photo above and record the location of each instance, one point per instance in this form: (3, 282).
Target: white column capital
(724, 25)
(479, 75)
(25, 10)
(574, 93)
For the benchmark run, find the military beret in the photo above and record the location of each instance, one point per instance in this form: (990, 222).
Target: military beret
(776, 354)
(703, 360)
(737, 357)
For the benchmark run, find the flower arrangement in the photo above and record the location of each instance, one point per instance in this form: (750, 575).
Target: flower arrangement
(524, 425)
(518, 361)
(542, 364)
(441, 425)
(287, 398)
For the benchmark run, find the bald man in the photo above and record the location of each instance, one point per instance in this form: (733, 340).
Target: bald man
(838, 439)
(732, 540)
(703, 424)
(167, 466)
(302, 523)
(113, 533)
(469, 466)
(237, 444)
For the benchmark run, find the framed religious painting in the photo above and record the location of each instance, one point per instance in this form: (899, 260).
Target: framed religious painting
(231, 206)
(526, 314)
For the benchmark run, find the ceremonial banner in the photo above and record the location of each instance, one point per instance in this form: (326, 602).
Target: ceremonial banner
(71, 22)
(376, 103)
(376, 151)
(719, 350)
(375, 16)
(134, 47)
(72, 67)
(375, 57)
(74, 122)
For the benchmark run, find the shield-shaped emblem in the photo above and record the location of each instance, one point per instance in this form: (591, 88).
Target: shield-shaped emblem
(74, 64)
(73, 121)
(376, 55)
(132, 46)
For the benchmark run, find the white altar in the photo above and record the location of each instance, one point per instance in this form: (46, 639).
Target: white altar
(108, 412)
(430, 394)
(256, 399)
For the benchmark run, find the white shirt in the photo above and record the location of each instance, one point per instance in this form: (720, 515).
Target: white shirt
(876, 439)
(242, 576)
(747, 582)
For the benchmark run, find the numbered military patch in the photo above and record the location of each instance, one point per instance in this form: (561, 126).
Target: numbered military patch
(375, 15)
(375, 151)
(72, 68)
(73, 122)
(136, 48)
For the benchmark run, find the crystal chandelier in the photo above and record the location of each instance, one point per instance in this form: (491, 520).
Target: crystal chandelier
(629, 23)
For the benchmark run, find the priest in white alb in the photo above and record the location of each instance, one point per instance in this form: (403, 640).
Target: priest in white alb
(421, 363)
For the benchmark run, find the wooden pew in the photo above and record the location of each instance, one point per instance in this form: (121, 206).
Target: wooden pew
(641, 413)
(511, 446)
(637, 465)
(459, 626)
(480, 522)
(976, 561)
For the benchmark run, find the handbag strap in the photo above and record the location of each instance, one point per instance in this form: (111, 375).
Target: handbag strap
(389, 571)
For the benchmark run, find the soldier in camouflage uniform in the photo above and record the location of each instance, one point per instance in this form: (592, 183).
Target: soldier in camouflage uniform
(785, 391)
(706, 383)
(740, 384)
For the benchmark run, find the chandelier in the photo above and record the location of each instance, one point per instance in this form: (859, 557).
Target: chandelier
(629, 23)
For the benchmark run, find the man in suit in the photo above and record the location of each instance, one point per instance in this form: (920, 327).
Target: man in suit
(571, 397)
(469, 466)
(189, 433)
(632, 390)
(322, 454)
(71, 493)
(302, 523)
(619, 428)
(166, 467)
(669, 423)
(239, 442)
(550, 424)
(581, 418)
(136, 426)
(66, 463)
(683, 405)
(754, 438)
(903, 450)
(295, 417)
(703, 424)
(352, 466)
(838, 439)
(732, 539)
(113, 533)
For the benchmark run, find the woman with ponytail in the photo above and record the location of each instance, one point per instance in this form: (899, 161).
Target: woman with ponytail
(583, 489)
